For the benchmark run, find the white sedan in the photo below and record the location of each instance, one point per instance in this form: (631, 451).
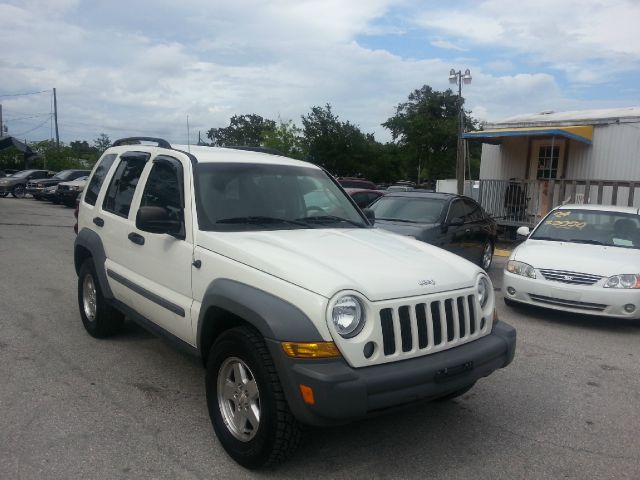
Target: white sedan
(579, 258)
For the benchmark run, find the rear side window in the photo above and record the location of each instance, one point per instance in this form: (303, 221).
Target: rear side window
(98, 177)
(123, 183)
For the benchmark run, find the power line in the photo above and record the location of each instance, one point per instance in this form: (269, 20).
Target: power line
(24, 117)
(31, 130)
(22, 94)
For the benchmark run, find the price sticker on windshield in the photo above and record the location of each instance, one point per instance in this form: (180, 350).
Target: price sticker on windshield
(567, 224)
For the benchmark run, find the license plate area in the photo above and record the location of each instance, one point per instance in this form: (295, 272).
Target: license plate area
(450, 373)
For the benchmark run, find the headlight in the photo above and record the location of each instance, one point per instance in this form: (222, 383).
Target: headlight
(623, 281)
(484, 290)
(521, 268)
(348, 316)
(50, 189)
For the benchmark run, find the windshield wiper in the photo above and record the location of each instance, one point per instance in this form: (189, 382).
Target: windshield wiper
(397, 220)
(547, 238)
(260, 220)
(328, 219)
(588, 241)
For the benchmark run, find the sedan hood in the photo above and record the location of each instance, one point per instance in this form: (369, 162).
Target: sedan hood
(378, 264)
(46, 181)
(578, 257)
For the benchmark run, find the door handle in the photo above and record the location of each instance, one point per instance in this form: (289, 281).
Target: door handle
(135, 238)
(98, 221)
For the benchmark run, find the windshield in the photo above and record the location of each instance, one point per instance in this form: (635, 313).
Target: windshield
(22, 174)
(596, 227)
(250, 196)
(409, 209)
(63, 175)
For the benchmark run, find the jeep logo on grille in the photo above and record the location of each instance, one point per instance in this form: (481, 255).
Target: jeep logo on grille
(424, 283)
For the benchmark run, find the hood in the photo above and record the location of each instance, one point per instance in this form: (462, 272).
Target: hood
(47, 182)
(578, 257)
(404, 228)
(74, 183)
(379, 264)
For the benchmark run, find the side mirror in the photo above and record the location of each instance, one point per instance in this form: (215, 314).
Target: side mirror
(456, 222)
(523, 231)
(370, 214)
(156, 220)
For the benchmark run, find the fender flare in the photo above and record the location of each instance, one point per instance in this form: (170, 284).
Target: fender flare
(91, 241)
(272, 316)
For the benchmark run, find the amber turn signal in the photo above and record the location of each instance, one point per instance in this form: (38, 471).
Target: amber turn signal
(311, 350)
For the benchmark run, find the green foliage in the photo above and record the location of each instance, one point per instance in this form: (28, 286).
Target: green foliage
(55, 158)
(338, 146)
(243, 130)
(101, 143)
(285, 137)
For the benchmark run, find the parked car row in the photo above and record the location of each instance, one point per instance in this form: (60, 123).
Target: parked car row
(62, 187)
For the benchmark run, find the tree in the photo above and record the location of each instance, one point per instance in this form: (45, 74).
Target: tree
(102, 143)
(425, 129)
(338, 146)
(243, 130)
(285, 137)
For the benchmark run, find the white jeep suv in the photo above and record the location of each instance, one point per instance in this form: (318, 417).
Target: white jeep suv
(301, 311)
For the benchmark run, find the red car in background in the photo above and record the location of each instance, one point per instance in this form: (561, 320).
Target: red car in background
(359, 183)
(363, 196)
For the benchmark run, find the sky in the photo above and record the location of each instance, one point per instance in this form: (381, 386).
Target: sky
(142, 67)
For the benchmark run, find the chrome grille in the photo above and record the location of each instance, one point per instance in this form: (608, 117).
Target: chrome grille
(596, 307)
(438, 324)
(573, 278)
(63, 187)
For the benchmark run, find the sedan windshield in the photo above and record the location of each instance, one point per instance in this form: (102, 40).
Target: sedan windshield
(595, 227)
(409, 209)
(250, 196)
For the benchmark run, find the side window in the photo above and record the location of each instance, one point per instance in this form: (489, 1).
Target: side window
(457, 210)
(124, 182)
(163, 187)
(98, 177)
(474, 211)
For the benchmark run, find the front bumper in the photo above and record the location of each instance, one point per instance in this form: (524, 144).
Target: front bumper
(34, 191)
(343, 393)
(583, 299)
(68, 195)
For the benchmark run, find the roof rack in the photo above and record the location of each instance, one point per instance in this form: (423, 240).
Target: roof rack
(137, 140)
(271, 151)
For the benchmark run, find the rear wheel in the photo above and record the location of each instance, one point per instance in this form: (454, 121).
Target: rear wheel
(18, 191)
(246, 403)
(99, 318)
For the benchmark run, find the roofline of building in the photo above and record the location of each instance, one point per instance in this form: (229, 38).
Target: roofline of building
(563, 123)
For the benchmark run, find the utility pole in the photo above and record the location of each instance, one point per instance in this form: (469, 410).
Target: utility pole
(1, 124)
(457, 78)
(55, 116)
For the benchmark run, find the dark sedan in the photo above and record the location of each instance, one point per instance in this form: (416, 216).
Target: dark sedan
(36, 187)
(453, 222)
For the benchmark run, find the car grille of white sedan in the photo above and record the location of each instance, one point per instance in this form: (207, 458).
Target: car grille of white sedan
(573, 278)
(435, 325)
(595, 307)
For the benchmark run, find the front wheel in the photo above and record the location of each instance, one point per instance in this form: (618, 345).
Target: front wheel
(246, 403)
(487, 256)
(18, 191)
(98, 317)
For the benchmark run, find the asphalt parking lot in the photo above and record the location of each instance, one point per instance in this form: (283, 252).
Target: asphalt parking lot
(133, 407)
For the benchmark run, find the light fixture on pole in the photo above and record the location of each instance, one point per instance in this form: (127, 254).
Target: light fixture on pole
(458, 78)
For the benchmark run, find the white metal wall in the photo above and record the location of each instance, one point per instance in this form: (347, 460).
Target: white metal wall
(504, 161)
(614, 155)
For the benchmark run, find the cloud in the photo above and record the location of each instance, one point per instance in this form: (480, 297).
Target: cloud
(447, 45)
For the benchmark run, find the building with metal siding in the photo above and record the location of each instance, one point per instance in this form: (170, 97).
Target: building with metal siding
(589, 156)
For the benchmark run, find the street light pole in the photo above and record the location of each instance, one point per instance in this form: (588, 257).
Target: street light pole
(458, 78)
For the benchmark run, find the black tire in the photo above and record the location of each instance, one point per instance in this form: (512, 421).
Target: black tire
(278, 433)
(457, 393)
(510, 303)
(484, 264)
(107, 321)
(56, 201)
(18, 191)
(3, 194)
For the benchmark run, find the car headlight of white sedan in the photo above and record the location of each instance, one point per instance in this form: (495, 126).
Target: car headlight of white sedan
(521, 268)
(623, 281)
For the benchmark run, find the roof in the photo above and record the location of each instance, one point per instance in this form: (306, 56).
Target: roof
(206, 154)
(580, 133)
(573, 117)
(602, 208)
(423, 194)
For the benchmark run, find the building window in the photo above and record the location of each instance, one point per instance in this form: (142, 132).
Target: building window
(548, 159)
